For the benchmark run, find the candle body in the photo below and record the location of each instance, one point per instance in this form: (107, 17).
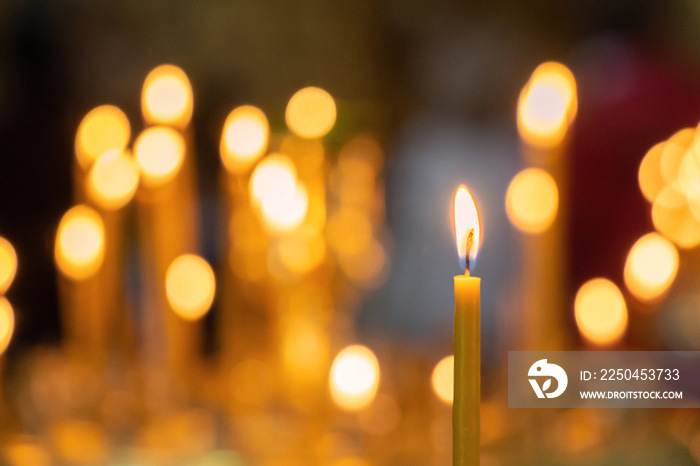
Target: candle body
(467, 371)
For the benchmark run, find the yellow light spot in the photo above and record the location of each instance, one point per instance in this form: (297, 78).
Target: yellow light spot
(282, 199)
(547, 105)
(532, 200)
(159, 153)
(443, 379)
(7, 323)
(112, 180)
(354, 377)
(244, 138)
(651, 267)
(190, 286)
(672, 154)
(8, 264)
(672, 216)
(311, 112)
(650, 180)
(166, 98)
(104, 128)
(467, 230)
(600, 311)
(80, 243)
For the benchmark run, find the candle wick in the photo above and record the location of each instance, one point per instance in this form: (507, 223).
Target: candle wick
(470, 243)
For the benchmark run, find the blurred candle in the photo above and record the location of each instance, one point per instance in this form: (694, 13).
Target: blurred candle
(354, 377)
(442, 379)
(536, 201)
(104, 128)
(467, 336)
(311, 113)
(166, 98)
(79, 252)
(243, 139)
(8, 264)
(651, 267)
(159, 153)
(190, 286)
(601, 312)
(168, 220)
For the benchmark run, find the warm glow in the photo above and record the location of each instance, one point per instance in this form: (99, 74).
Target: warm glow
(8, 264)
(301, 254)
(190, 286)
(467, 231)
(112, 180)
(244, 138)
(443, 379)
(305, 350)
(547, 105)
(672, 154)
(7, 323)
(672, 215)
(80, 243)
(311, 112)
(24, 453)
(103, 128)
(650, 180)
(354, 377)
(532, 200)
(159, 153)
(166, 98)
(600, 311)
(274, 188)
(651, 267)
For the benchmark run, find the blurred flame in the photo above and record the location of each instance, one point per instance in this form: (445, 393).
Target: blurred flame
(673, 215)
(244, 138)
(7, 323)
(650, 180)
(190, 286)
(443, 379)
(104, 128)
(467, 231)
(159, 153)
(282, 199)
(311, 112)
(112, 180)
(166, 98)
(651, 267)
(8, 264)
(354, 377)
(672, 153)
(600, 311)
(532, 200)
(80, 243)
(547, 105)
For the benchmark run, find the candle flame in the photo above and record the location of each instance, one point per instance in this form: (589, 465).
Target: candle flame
(467, 231)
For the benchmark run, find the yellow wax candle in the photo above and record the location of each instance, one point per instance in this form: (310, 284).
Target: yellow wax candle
(467, 337)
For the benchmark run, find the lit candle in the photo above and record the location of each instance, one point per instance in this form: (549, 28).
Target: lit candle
(467, 336)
